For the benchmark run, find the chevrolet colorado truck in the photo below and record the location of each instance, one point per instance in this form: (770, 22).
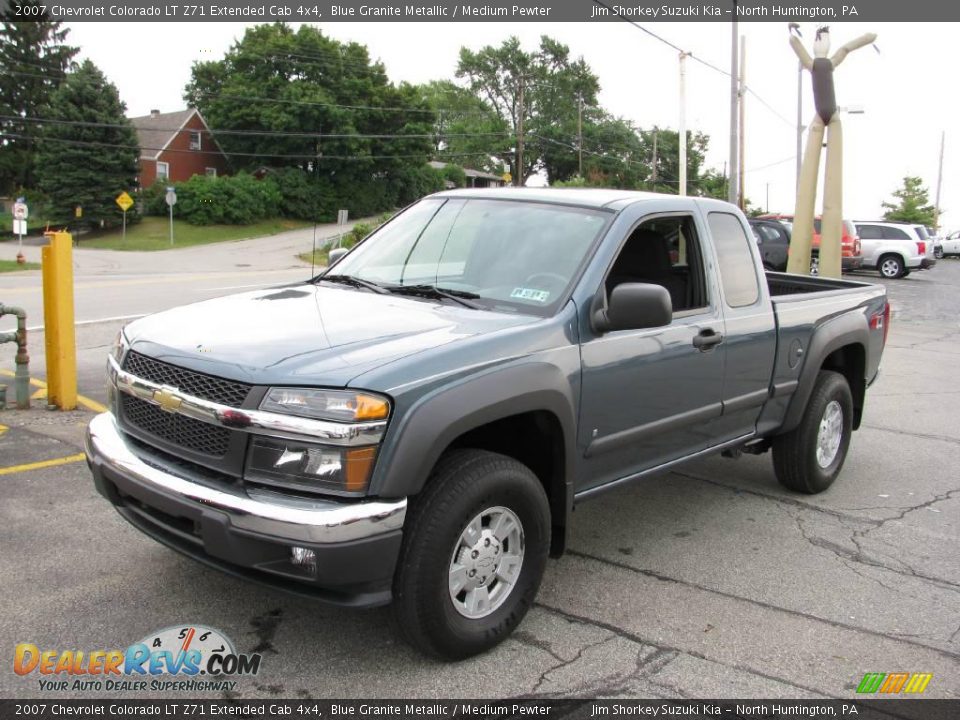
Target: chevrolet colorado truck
(416, 424)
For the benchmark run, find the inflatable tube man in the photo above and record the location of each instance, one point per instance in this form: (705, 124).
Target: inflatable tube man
(821, 67)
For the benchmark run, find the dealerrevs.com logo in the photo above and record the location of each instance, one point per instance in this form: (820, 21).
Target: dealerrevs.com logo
(182, 657)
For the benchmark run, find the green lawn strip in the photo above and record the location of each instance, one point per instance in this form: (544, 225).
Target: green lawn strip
(12, 266)
(153, 233)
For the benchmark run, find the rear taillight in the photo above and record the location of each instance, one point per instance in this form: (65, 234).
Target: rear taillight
(922, 248)
(881, 321)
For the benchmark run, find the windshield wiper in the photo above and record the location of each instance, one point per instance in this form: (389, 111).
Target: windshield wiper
(461, 296)
(356, 282)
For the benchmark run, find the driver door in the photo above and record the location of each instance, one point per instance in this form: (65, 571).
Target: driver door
(653, 395)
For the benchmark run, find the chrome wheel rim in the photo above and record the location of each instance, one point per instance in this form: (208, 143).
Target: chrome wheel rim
(485, 563)
(890, 268)
(830, 434)
(815, 266)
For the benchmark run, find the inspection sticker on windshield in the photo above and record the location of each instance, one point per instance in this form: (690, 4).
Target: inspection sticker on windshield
(539, 296)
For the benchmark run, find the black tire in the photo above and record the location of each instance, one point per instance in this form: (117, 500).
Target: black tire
(795, 453)
(938, 253)
(890, 267)
(904, 273)
(464, 484)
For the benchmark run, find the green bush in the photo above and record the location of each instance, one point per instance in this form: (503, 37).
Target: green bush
(290, 192)
(455, 175)
(230, 200)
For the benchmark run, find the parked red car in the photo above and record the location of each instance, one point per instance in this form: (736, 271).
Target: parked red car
(851, 256)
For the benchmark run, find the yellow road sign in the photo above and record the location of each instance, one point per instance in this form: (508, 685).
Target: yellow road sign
(124, 201)
(507, 177)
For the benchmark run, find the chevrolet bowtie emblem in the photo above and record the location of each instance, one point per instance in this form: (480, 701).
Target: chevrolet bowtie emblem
(167, 400)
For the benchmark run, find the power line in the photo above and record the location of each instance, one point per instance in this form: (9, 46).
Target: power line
(267, 133)
(303, 156)
(694, 57)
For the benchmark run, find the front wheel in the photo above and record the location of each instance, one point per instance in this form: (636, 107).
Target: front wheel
(938, 253)
(808, 458)
(474, 550)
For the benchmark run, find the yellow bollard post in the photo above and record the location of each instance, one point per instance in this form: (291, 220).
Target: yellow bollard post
(61, 343)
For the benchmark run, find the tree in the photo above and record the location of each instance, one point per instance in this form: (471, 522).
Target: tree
(89, 163)
(467, 131)
(33, 63)
(311, 102)
(912, 204)
(539, 92)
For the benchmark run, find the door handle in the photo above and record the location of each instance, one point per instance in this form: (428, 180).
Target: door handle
(706, 339)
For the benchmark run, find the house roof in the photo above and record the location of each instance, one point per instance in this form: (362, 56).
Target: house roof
(155, 131)
(469, 172)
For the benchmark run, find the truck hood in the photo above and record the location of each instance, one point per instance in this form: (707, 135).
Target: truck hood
(308, 334)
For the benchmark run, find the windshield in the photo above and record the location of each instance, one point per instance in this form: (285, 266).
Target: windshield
(504, 255)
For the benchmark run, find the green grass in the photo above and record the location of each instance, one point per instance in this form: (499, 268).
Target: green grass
(12, 266)
(153, 233)
(318, 259)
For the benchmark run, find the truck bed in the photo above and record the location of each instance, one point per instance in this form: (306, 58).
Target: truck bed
(803, 306)
(781, 284)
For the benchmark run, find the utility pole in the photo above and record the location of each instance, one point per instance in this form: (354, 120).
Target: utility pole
(734, 77)
(653, 176)
(936, 208)
(580, 135)
(518, 178)
(683, 125)
(741, 183)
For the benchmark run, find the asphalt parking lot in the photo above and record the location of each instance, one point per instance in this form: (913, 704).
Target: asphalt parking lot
(707, 582)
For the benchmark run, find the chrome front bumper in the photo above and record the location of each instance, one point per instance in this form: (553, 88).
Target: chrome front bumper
(261, 511)
(250, 532)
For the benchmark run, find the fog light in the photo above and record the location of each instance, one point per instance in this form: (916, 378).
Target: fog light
(302, 557)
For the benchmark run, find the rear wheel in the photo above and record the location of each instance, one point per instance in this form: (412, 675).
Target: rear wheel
(890, 267)
(808, 458)
(474, 550)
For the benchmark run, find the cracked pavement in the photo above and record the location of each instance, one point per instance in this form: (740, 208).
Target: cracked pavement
(708, 582)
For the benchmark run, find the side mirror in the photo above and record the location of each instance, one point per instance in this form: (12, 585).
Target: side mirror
(335, 255)
(634, 306)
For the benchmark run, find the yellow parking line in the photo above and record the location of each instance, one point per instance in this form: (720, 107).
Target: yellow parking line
(88, 403)
(43, 464)
(3, 429)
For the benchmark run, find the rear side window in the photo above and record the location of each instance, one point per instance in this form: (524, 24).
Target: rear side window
(769, 233)
(738, 273)
(922, 232)
(894, 233)
(870, 232)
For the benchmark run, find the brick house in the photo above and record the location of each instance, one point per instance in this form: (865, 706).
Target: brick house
(176, 146)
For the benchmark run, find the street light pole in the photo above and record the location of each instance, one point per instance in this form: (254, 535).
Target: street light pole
(734, 82)
(683, 124)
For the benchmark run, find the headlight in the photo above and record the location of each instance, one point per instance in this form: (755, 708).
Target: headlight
(335, 405)
(307, 466)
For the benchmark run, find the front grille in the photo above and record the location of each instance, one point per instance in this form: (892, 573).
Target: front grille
(174, 428)
(188, 382)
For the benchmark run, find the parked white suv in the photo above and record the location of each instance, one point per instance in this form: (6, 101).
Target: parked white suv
(895, 249)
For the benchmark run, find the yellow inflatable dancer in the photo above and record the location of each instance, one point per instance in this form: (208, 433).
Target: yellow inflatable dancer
(821, 67)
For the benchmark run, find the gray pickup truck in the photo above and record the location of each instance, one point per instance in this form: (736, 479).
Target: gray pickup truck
(416, 424)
